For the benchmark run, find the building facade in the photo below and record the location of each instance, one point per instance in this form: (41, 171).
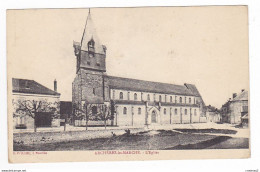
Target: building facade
(34, 105)
(234, 110)
(213, 114)
(133, 102)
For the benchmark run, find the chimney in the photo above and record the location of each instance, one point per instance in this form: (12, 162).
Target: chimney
(55, 85)
(234, 95)
(242, 90)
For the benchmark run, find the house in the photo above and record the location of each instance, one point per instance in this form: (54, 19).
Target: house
(133, 102)
(34, 105)
(236, 108)
(213, 114)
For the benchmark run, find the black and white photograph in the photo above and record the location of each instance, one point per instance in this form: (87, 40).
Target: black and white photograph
(128, 81)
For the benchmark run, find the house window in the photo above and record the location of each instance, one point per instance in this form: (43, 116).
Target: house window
(180, 99)
(125, 111)
(185, 112)
(171, 99)
(148, 97)
(160, 98)
(139, 111)
(164, 111)
(176, 112)
(121, 96)
(135, 96)
(195, 112)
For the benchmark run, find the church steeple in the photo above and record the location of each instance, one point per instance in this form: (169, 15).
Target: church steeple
(90, 52)
(90, 34)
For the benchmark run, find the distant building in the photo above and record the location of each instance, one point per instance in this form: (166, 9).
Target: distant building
(27, 93)
(235, 109)
(65, 112)
(213, 114)
(135, 102)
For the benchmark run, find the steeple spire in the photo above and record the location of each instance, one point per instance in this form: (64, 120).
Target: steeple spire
(90, 34)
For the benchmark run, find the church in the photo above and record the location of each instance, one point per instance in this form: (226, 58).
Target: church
(133, 102)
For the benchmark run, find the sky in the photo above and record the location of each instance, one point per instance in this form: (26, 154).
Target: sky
(205, 46)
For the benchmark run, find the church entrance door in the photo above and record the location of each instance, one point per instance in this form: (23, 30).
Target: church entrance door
(154, 117)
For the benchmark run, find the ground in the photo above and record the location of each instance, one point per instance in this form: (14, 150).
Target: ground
(188, 136)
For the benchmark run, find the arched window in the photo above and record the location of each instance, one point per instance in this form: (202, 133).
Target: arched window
(171, 99)
(186, 112)
(180, 99)
(91, 48)
(91, 43)
(160, 98)
(135, 96)
(94, 110)
(121, 96)
(139, 111)
(190, 100)
(175, 111)
(195, 112)
(164, 111)
(125, 111)
(148, 97)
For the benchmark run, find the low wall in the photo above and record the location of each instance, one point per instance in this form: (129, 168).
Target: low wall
(79, 123)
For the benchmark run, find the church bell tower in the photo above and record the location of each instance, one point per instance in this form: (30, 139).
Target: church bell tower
(90, 53)
(90, 85)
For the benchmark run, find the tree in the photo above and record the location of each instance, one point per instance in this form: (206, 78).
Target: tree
(29, 108)
(106, 114)
(83, 112)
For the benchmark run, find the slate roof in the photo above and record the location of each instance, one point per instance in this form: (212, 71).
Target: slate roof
(241, 97)
(154, 87)
(31, 87)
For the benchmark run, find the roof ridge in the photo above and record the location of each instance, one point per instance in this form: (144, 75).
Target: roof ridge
(145, 80)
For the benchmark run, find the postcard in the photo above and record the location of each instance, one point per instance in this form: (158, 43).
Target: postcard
(113, 84)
